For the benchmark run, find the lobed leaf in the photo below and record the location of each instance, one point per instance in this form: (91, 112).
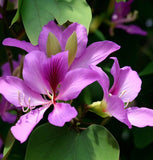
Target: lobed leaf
(50, 142)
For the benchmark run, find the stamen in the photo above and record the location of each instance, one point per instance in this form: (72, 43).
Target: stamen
(25, 110)
(126, 106)
(122, 93)
(49, 95)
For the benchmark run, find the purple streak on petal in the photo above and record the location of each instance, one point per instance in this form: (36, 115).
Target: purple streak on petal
(27, 46)
(103, 80)
(140, 117)
(55, 69)
(115, 107)
(82, 39)
(95, 54)
(50, 27)
(1, 16)
(75, 81)
(132, 29)
(121, 9)
(17, 92)
(26, 123)
(127, 83)
(62, 113)
(33, 72)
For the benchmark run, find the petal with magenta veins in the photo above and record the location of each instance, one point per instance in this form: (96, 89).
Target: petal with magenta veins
(140, 117)
(26, 123)
(62, 113)
(55, 69)
(27, 46)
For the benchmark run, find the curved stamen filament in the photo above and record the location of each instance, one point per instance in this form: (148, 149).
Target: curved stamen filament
(49, 95)
(126, 106)
(28, 106)
(24, 109)
(122, 93)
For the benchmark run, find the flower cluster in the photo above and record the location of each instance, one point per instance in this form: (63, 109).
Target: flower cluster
(122, 15)
(54, 72)
(58, 69)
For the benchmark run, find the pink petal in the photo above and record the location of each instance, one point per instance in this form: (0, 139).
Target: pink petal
(50, 27)
(95, 54)
(6, 71)
(82, 38)
(26, 123)
(8, 117)
(55, 69)
(132, 29)
(17, 92)
(127, 83)
(62, 113)
(140, 117)
(33, 72)
(27, 46)
(122, 9)
(75, 81)
(103, 79)
(115, 107)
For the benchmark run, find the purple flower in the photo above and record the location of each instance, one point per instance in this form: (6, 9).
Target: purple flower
(5, 106)
(122, 15)
(125, 89)
(47, 82)
(83, 56)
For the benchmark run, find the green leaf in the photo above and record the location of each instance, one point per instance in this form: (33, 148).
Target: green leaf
(17, 15)
(147, 70)
(100, 35)
(8, 145)
(36, 13)
(55, 143)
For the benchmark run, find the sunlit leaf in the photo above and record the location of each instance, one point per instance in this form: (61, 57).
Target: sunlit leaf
(35, 14)
(50, 142)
